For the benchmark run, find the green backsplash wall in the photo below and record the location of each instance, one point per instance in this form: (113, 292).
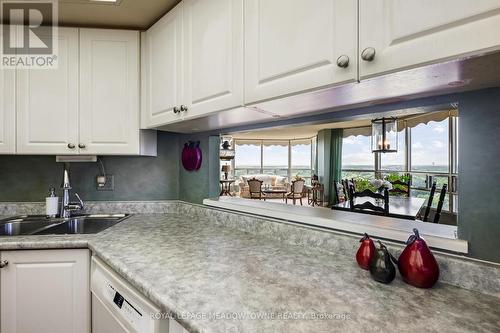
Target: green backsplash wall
(27, 178)
(479, 173)
(194, 186)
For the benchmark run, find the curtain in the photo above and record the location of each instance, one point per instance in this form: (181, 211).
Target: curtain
(424, 118)
(335, 162)
(403, 122)
(355, 131)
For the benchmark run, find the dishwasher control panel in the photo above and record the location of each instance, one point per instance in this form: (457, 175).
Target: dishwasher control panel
(131, 312)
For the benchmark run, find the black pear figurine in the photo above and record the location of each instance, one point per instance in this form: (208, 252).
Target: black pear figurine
(381, 267)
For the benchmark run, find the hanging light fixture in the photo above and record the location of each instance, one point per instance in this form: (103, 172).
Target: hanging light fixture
(385, 135)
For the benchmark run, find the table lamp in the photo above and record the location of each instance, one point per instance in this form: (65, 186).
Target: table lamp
(226, 168)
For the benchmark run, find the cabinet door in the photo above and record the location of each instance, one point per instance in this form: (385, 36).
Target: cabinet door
(109, 92)
(45, 291)
(407, 34)
(163, 69)
(213, 55)
(47, 103)
(293, 45)
(7, 111)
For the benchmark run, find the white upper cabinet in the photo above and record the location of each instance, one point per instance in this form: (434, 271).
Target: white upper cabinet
(88, 105)
(162, 69)
(7, 111)
(109, 92)
(213, 55)
(293, 46)
(47, 103)
(407, 34)
(193, 62)
(45, 291)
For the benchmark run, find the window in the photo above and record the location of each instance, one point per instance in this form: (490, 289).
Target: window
(430, 160)
(395, 161)
(429, 146)
(286, 158)
(424, 151)
(358, 161)
(301, 159)
(357, 153)
(275, 158)
(247, 157)
(314, 154)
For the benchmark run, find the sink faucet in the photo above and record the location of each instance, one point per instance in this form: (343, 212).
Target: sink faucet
(66, 206)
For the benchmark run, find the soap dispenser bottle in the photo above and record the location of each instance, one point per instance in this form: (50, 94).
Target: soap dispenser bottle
(52, 203)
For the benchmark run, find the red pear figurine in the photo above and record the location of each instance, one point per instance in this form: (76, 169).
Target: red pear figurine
(365, 252)
(417, 264)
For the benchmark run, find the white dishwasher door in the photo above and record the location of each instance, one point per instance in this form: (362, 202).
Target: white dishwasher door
(117, 307)
(103, 320)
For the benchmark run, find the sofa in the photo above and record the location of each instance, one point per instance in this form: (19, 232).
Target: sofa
(268, 181)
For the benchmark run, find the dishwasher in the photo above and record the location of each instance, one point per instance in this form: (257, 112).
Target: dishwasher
(117, 307)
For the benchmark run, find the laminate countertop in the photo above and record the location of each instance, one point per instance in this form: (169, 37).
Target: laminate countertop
(218, 279)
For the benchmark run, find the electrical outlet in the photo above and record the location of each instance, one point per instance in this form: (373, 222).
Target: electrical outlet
(109, 185)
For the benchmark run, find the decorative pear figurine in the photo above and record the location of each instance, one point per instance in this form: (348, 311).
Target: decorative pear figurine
(381, 266)
(417, 264)
(365, 252)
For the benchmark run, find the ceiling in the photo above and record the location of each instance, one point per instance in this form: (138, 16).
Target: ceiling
(125, 14)
(413, 117)
(298, 132)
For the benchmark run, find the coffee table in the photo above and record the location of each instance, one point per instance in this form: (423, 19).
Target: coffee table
(271, 191)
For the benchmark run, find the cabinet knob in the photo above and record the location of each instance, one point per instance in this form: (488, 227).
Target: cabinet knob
(81, 145)
(71, 146)
(176, 110)
(3, 263)
(343, 61)
(368, 54)
(184, 108)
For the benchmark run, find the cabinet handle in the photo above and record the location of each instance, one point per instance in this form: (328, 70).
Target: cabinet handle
(343, 61)
(81, 145)
(71, 146)
(368, 54)
(176, 110)
(3, 263)
(184, 108)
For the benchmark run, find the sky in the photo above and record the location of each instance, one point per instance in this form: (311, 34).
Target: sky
(247, 155)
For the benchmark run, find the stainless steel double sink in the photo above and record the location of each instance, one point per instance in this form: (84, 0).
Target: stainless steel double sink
(42, 225)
